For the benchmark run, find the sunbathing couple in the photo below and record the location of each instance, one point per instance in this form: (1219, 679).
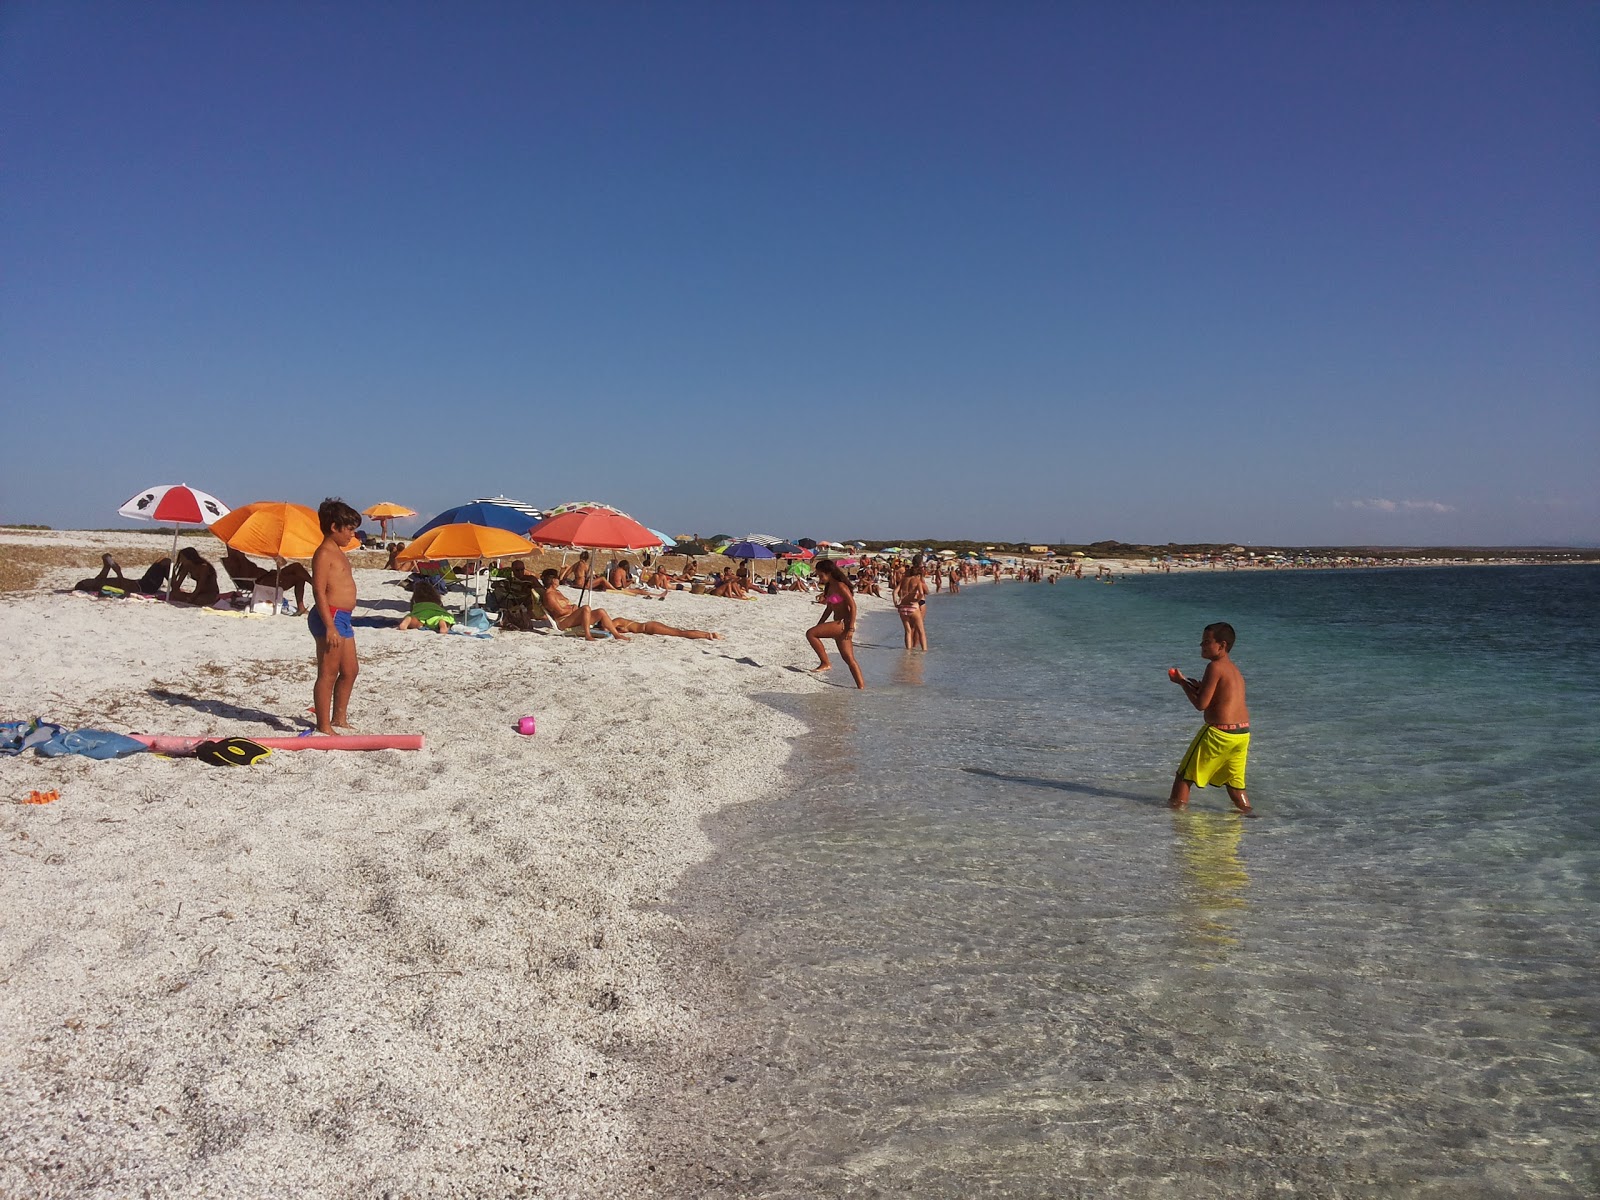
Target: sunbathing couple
(192, 569)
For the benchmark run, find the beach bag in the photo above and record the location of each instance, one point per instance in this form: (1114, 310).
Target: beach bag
(476, 620)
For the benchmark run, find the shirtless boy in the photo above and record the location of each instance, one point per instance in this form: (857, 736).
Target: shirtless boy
(333, 589)
(1221, 747)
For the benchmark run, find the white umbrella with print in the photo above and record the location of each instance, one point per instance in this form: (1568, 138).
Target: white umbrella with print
(178, 503)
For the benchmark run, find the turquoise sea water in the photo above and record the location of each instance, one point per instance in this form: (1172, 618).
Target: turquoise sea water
(976, 955)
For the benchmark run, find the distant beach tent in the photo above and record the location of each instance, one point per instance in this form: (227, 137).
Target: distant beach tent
(385, 512)
(511, 515)
(175, 502)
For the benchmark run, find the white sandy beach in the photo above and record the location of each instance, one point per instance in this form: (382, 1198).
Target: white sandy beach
(361, 974)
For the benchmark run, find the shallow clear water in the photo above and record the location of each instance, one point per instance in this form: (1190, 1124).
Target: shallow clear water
(979, 956)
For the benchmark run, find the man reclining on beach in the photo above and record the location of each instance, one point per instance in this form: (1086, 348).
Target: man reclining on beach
(287, 577)
(569, 616)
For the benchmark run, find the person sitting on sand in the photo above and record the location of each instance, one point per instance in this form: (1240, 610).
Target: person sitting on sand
(148, 584)
(728, 586)
(427, 610)
(620, 579)
(569, 616)
(195, 568)
(578, 573)
(661, 578)
(285, 578)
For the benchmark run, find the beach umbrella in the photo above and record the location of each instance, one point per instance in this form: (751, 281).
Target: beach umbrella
(799, 568)
(784, 548)
(534, 513)
(747, 549)
(761, 539)
(387, 511)
(807, 543)
(272, 529)
(496, 514)
(465, 542)
(666, 542)
(175, 502)
(594, 528)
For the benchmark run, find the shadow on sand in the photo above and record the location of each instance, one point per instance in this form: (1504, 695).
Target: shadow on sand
(218, 708)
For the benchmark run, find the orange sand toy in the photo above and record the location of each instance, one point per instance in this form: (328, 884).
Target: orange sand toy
(38, 797)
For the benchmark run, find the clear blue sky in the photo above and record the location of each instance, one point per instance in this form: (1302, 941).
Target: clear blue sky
(1299, 273)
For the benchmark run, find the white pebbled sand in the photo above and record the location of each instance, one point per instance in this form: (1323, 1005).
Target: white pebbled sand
(360, 974)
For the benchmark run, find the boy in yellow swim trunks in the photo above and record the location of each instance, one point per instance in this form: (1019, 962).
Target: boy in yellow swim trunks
(1220, 749)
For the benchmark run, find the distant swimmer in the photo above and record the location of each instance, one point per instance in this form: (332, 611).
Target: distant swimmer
(1221, 747)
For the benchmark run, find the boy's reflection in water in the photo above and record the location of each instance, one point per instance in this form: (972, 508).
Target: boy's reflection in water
(1214, 879)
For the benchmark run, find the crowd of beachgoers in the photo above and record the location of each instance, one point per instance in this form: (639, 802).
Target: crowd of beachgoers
(449, 970)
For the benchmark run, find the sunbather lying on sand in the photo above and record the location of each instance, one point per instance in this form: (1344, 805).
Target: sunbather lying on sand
(569, 616)
(427, 610)
(628, 626)
(148, 584)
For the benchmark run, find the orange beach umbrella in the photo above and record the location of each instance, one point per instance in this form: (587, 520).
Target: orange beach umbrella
(386, 511)
(463, 542)
(271, 529)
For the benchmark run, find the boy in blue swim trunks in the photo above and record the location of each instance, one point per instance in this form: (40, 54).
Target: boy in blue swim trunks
(1220, 749)
(333, 587)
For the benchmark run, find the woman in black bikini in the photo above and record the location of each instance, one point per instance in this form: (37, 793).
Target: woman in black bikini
(838, 620)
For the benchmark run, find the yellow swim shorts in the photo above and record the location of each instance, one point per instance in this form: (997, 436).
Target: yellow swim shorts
(1216, 754)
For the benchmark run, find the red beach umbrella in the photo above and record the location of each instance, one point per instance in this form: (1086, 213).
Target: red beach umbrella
(593, 529)
(175, 502)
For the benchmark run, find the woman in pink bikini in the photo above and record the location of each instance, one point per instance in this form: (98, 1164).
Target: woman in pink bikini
(838, 620)
(910, 598)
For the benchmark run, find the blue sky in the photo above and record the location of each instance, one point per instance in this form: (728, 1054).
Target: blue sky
(1305, 273)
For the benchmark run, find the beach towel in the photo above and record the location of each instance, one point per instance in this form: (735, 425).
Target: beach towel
(52, 741)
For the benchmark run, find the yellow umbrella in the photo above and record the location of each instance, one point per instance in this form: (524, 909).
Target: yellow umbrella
(387, 511)
(272, 529)
(464, 541)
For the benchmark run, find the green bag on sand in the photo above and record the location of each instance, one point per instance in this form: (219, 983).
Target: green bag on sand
(231, 752)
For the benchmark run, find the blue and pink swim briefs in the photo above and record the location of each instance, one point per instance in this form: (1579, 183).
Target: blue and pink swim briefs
(341, 622)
